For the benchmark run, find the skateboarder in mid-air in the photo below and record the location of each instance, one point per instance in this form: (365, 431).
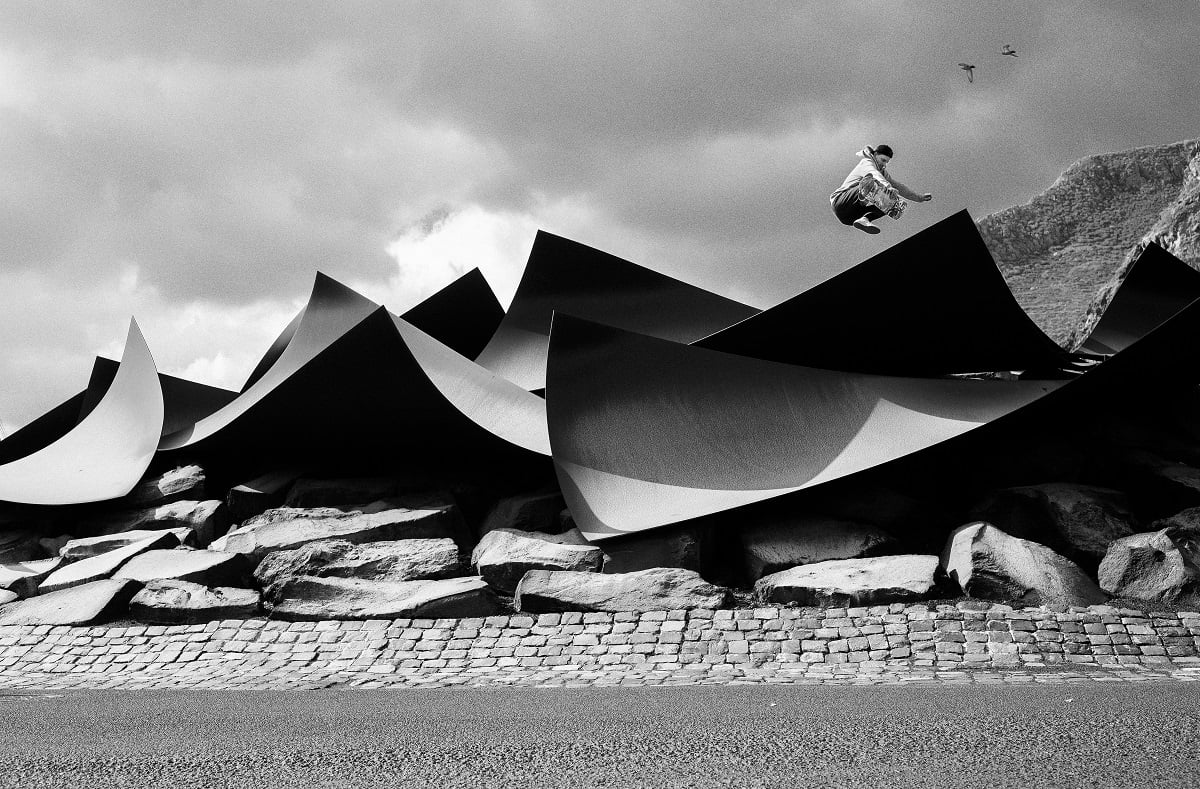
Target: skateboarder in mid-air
(869, 192)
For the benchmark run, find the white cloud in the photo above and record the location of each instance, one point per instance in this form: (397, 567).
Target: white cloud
(433, 253)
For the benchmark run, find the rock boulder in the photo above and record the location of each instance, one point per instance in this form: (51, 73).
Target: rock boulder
(103, 566)
(87, 547)
(1078, 521)
(773, 547)
(287, 527)
(172, 602)
(184, 482)
(306, 598)
(206, 519)
(209, 568)
(23, 578)
(686, 548)
(78, 605)
(1183, 528)
(259, 494)
(991, 565)
(503, 556)
(537, 512)
(398, 560)
(52, 545)
(854, 582)
(657, 589)
(1150, 566)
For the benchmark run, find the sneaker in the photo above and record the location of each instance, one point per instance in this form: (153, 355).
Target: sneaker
(865, 225)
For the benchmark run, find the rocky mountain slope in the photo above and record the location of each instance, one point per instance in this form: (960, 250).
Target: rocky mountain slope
(1064, 251)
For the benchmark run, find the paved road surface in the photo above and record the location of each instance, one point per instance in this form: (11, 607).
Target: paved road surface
(1091, 734)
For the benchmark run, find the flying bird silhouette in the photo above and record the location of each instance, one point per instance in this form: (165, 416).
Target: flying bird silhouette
(1008, 51)
(967, 67)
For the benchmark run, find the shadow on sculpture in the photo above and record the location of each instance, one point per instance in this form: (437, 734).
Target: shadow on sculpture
(932, 304)
(647, 433)
(354, 389)
(463, 315)
(569, 277)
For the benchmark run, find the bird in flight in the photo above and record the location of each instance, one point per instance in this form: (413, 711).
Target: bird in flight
(1008, 51)
(967, 67)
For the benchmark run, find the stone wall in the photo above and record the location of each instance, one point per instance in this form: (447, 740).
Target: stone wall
(695, 644)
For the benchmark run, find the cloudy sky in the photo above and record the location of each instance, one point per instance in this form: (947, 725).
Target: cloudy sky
(192, 164)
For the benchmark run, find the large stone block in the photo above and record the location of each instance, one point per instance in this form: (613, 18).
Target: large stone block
(78, 605)
(503, 556)
(1150, 566)
(206, 519)
(1078, 521)
(53, 545)
(23, 578)
(258, 495)
(87, 547)
(306, 597)
(173, 602)
(184, 482)
(854, 582)
(1183, 528)
(657, 589)
(537, 512)
(776, 546)
(398, 560)
(288, 527)
(103, 566)
(206, 567)
(991, 565)
(686, 548)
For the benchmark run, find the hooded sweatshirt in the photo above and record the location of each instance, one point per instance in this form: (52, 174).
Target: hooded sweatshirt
(870, 166)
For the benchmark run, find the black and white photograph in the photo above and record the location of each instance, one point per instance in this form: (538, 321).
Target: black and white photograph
(539, 393)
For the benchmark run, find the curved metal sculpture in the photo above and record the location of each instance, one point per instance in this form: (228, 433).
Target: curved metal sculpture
(1156, 286)
(567, 276)
(107, 452)
(275, 350)
(44, 430)
(647, 433)
(358, 387)
(933, 304)
(184, 402)
(495, 404)
(463, 315)
(332, 310)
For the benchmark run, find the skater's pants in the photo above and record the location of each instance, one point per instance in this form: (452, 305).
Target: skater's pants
(847, 207)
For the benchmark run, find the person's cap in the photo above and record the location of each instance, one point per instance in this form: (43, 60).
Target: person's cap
(886, 150)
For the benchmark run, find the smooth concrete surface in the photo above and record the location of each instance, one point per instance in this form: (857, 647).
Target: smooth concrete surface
(1057, 734)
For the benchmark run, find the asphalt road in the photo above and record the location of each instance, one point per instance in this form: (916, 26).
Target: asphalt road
(1095, 734)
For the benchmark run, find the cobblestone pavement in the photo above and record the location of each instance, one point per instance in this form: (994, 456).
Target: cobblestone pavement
(964, 643)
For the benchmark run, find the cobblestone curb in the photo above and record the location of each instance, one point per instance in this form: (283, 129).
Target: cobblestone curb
(878, 644)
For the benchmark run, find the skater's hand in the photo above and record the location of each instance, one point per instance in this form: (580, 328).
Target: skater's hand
(925, 198)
